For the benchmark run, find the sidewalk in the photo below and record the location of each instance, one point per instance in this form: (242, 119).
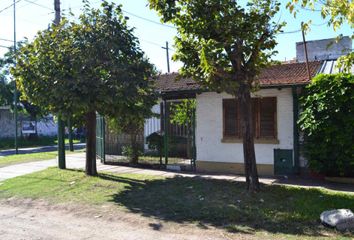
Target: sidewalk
(50, 148)
(77, 161)
(73, 161)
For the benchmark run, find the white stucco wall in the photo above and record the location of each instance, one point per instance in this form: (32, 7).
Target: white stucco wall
(152, 124)
(209, 129)
(47, 128)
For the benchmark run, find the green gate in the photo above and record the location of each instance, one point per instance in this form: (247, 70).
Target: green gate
(283, 162)
(100, 138)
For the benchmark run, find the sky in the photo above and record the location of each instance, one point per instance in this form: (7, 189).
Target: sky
(35, 15)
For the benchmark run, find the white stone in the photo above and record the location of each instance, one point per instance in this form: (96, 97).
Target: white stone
(334, 217)
(346, 224)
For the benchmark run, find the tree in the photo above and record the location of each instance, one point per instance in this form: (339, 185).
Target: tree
(336, 12)
(7, 86)
(6, 97)
(223, 46)
(78, 68)
(327, 120)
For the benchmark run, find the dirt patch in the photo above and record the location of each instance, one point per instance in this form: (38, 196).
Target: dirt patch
(39, 219)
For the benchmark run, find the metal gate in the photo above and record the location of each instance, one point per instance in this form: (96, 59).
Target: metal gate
(178, 140)
(100, 138)
(175, 148)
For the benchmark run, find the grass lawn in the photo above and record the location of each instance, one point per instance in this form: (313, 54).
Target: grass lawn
(30, 157)
(276, 212)
(8, 143)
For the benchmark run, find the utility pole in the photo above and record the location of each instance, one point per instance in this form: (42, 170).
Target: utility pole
(61, 125)
(57, 12)
(15, 93)
(305, 50)
(168, 57)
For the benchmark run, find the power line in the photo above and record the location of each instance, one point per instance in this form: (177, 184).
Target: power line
(299, 30)
(290, 32)
(39, 5)
(312, 10)
(148, 20)
(152, 43)
(2, 46)
(4, 9)
(320, 24)
(6, 40)
(156, 44)
(134, 15)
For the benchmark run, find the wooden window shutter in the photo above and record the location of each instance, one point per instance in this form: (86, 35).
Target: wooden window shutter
(268, 117)
(230, 109)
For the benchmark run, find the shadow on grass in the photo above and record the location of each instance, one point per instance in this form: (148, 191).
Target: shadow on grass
(227, 205)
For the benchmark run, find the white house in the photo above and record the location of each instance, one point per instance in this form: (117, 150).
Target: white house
(278, 142)
(217, 134)
(218, 143)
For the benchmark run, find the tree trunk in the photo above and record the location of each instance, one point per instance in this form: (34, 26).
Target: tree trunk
(91, 168)
(245, 103)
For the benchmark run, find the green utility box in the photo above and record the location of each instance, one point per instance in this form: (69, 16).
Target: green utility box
(283, 162)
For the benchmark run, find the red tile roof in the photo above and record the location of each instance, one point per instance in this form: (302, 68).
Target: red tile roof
(168, 83)
(288, 74)
(276, 76)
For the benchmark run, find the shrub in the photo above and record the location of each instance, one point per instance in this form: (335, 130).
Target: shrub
(131, 154)
(176, 144)
(155, 141)
(327, 120)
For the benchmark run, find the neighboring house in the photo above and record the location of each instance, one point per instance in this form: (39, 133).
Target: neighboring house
(7, 125)
(218, 138)
(44, 127)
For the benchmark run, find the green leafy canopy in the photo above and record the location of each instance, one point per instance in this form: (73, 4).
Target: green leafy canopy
(183, 111)
(7, 86)
(91, 64)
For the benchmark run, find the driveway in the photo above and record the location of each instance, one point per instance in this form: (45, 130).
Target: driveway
(75, 160)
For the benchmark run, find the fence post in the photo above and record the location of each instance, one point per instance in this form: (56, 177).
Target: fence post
(165, 138)
(103, 140)
(194, 149)
(61, 143)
